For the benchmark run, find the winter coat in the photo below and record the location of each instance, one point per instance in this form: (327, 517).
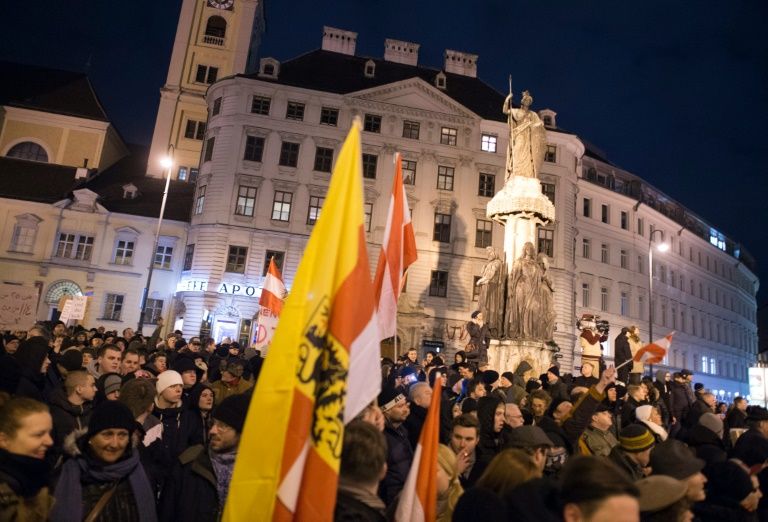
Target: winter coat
(24, 495)
(180, 429)
(735, 419)
(698, 408)
(351, 508)
(597, 442)
(414, 422)
(624, 463)
(399, 457)
(477, 337)
(709, 512)
(752, 448)
(622, 353)
(628, 411)
(223, 390)
(707, 445)
(190, 493)
(558, 391)
(67, 417)
(680, 400)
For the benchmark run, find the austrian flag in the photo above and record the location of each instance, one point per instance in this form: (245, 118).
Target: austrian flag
(654, 352)
(271, 303)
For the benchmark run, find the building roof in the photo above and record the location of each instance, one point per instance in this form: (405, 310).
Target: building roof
(53, 183)
(49, 90)
(339, 73)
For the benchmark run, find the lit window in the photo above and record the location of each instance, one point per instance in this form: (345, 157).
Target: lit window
(409, 172)
(445, 177)
(483, 233)
(246, 201)
(182, 175)
(315, 205)
(550, 155)
(281, 206)
(124, 252)
(546, 237)
(200, 200)
(488, 143)
(411, 129)
(448, 136)
(163, 256)
(113, 307)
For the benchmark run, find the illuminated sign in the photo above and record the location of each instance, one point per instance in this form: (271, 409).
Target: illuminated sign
(227, 287)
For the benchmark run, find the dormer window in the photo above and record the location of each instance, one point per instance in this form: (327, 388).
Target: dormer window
(130, 191)
(269, 68)
(370, 69)
(440, 80)
(548, 121)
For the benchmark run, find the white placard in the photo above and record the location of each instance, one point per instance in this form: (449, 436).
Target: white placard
(18, 307)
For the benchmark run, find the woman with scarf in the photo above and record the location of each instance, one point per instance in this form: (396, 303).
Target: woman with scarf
(650, 416)
(25, 427)
(104, 480)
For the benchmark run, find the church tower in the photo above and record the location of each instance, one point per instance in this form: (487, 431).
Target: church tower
(214, 39)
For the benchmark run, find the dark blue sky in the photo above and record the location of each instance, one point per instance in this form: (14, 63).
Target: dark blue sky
(676, 92)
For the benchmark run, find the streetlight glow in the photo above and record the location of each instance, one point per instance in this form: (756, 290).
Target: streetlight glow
(662, 247)
(166, 162)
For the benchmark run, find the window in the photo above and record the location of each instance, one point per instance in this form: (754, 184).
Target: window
(370, 162)
(409, 172)
(315, 204)
(586, 248)
(445, 177)
(163, 256)
(372, 123)
(550, 155)
(124, 252)
(587, 207)
(548, 189)
(546, 240)
(206, 74)
(195, 130)
(281, 206)
(113, 307)
(368, 214)
(189, 254)
(585, 295)
(640, 226)
(289, 154)
(209, 143)
(624, 259)
(438, 283)
(193, 174)
(604, 299)
(260, 105)
(200, 201)
(75, 246)
(663, 313)
(624, 220)
(294, 111)
(411, 129)
(216, 107)
(216, 26)
(24, 233)
(604, 254)
(323, 159)
(624, 304)
(182, 175)
(28, 150)
(329, 116)
(279, 258)
(236, 259)
(487, 185)
(604, 214)
(153, 310)
(254, 148)
(641, 306)
(483, 233)
(442, 230)
(246, 200)
(488, 143)
(704, 363)
(448, 136)
(640, 264)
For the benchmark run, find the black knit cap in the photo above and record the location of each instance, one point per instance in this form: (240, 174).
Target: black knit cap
(111, 415)
(71, 360)
(728, 481)
(232, 411)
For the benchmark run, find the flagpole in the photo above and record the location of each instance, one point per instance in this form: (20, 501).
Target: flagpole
(397, 156)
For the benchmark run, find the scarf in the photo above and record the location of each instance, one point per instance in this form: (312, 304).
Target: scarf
(29, 474)
(81, 468)
(223, 465)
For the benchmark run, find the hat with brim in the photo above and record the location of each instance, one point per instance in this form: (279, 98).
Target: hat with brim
(756, 414)
(675, 459)
(658, 492)
(528, 437)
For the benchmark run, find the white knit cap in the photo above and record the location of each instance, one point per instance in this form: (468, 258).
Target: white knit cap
(167, 379)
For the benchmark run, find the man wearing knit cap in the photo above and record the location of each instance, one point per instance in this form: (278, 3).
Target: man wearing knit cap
(633, 453)
(108, 386)
(199, 483)
(168, 410)
(676, 460)
(232, 381)
(395, 408)
(555, 386)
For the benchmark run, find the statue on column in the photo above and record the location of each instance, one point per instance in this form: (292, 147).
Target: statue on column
(523, 299)
(546, 297)
(491, 292)
(527, 139)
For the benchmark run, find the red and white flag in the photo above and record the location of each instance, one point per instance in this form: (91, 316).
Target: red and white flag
(271, 304)
(398, 252)
(654, 353)
(418, 500)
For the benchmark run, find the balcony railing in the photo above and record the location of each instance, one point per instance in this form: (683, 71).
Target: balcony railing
(213, 40)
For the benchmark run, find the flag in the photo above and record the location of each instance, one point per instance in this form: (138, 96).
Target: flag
(398, 252)
(270, 303)
(322, 369)
(654, 353)
(418, 500)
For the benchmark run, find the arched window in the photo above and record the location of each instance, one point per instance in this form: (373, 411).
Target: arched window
(216, 26)
(28, 150)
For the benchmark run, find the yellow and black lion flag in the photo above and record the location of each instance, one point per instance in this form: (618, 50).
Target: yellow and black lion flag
(322, 368)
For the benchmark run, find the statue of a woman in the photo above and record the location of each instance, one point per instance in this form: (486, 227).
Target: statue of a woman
(546, 322)
(490, 291)
(527, 139)
(523, 295)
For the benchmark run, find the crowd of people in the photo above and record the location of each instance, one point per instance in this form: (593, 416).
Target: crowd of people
(106, 426)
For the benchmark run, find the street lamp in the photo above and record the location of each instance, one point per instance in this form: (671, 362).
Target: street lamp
(166, 163)
(662, 247)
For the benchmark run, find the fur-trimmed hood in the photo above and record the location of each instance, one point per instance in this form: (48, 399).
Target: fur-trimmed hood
(74, 443)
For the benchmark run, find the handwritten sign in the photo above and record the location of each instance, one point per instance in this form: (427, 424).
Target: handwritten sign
(18, 307)
(74, 308)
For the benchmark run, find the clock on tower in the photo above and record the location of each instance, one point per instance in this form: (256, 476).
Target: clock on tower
(221, 4)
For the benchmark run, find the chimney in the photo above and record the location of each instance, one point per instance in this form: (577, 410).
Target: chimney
(457, 62)
(339, 40)
(399, 51)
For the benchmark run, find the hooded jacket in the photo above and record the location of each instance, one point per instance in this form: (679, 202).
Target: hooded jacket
(191, 492)
(67, 417)
(30, 357)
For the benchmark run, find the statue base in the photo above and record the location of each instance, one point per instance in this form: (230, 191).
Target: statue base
(505, 355)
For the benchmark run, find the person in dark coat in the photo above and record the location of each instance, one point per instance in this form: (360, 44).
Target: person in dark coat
(199, 483)
(680, 400)
(363, 461)
(179, 431)
(704, 403)
(622, 354)
(731, 495)
(33, 361)
(490, 415)
(587, 377)
(419, 395)
(706, 439)
(555, 386)
(478, 335)
(71, 406)
(737, 415)
(752, 449)
(395, 408)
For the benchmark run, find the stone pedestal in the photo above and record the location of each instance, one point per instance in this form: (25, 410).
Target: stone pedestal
(506, 355)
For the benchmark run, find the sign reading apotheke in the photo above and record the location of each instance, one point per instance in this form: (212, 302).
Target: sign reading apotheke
(229, 288)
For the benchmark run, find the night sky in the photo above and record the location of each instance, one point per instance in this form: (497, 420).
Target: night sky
(675, 92)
